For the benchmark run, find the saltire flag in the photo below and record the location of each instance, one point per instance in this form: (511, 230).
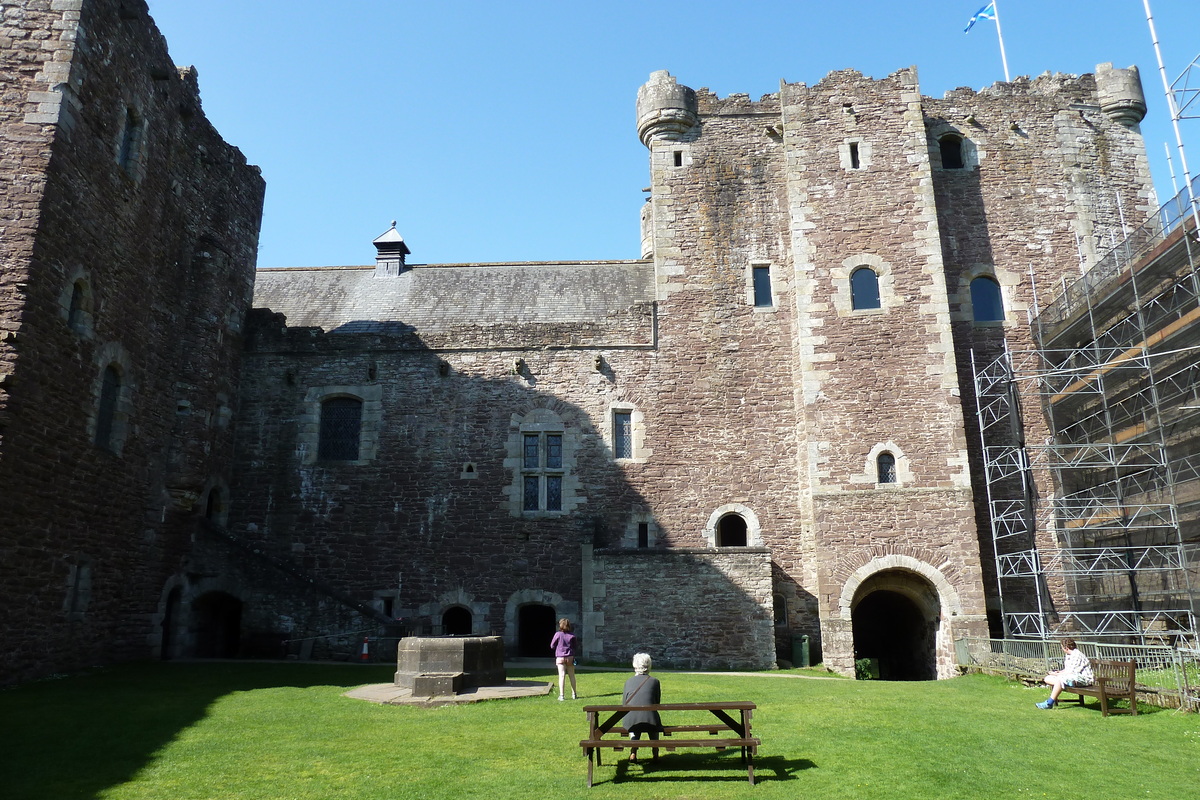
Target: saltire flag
(987, 12)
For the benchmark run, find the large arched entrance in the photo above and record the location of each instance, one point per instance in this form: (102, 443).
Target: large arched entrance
(895, 617)
(535, 629)
(217, 623)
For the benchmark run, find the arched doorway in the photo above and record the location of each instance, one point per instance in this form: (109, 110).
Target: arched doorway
(895, 618)
(535, 628)
(456, 621)
(217, 625)
(731, 531)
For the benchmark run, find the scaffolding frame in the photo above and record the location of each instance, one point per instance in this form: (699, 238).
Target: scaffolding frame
(1096, 530)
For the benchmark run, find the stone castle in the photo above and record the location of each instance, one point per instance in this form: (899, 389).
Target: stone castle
(763, 430)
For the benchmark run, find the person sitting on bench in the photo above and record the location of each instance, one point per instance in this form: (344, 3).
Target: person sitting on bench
(642, 690)
(1076, 671)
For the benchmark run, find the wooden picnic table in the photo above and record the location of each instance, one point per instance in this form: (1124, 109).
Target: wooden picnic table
(603, 720)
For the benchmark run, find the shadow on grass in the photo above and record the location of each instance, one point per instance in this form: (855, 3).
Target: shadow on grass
(699, 767)
(79, 737)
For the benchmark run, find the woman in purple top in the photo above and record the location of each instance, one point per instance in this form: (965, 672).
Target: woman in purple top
(565, 646)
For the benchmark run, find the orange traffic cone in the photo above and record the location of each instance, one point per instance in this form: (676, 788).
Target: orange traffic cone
(365, 654)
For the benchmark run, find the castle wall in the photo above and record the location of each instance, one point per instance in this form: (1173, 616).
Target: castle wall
(708, 608)
(1052, 182)
(135, 260)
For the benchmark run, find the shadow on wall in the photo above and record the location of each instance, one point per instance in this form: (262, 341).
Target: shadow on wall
(463, 503)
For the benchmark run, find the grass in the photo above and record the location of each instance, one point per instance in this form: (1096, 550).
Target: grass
(244, 730)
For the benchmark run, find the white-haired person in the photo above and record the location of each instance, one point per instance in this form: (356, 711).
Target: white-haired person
(1076, 671)
(642, 690)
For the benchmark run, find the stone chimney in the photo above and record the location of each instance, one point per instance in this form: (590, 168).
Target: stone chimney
(390, 251)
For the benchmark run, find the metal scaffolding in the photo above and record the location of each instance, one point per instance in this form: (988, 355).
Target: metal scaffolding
(1096, 529)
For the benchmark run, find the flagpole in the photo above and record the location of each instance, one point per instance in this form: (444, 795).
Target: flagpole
(1000, 36)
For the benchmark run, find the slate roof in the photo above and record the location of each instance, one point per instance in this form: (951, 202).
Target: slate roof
(436, 298)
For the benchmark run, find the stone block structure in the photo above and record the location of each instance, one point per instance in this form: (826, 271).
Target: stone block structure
(761, 429)
(128, 232)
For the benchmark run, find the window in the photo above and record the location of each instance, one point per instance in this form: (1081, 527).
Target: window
(110, 392)
(622, 434)
(679, 158)
(951, 146)
(341, 426)
(885, 468)
(76, 311)
(542, 471)
(643, 534)
(762, 287)
(131, 142)
(731, 531)
(864, 289)
(854, 160)
(986, 302)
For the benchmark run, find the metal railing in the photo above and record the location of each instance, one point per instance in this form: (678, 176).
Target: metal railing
(1166, 676)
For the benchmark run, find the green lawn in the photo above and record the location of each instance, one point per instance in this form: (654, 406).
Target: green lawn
(232, 730)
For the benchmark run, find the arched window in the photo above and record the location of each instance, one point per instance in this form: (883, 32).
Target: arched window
(132, 134)
(951, 146)
(986, 301)
(341, 426)
(864, 289)
(731, 531)
(75, 313)
(106, 412)
(885, 468)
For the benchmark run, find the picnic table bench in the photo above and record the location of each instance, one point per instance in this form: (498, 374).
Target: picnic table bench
(737, 731)
(1114, 680)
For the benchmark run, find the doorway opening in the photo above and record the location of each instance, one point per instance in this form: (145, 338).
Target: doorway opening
(896, 630)
(456, 621)
(217, 625)
(731, 531)
(535, 628)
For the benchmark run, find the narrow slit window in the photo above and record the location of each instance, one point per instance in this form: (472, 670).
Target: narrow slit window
(762, 287)
(678, 158)
(622, 434)
(106, 412)
(643, 534)
(854, 162)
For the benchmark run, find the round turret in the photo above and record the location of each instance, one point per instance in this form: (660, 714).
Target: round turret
(1120, 93)
(665, 109)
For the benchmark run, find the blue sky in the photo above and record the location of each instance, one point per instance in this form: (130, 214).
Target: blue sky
(505, 131)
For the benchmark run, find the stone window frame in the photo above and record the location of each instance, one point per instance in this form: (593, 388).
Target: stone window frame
(869, 477)
(79, 587)
(79, 318)
(629, 539)
(773, 277)
(371, 396)
(112, 354)
(542, 421)
(972, 155)
(842, 298)
(962, 307)
(637, 421)
(130, 150)
(753, 528)
(864, 154)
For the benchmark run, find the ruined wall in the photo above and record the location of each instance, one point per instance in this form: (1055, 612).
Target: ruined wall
(138, 257)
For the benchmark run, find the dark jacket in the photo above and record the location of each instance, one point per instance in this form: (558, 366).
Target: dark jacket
(642, 690)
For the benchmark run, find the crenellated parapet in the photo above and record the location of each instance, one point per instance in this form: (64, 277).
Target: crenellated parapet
(665, 108)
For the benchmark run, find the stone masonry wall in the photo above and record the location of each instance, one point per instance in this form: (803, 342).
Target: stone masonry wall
(138, 256)
(688, 608)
